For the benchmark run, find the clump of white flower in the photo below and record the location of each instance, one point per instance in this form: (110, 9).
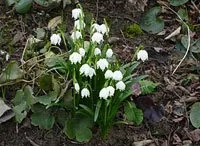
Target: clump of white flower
(85, 93)
(97, 51)
(76, 35)
(77, 87)
(97, 37)
(117, 75)
(75, 58)
(102, 64)
(55, 39)
(77, 13)
(82, 52)
(108, 74)
(78, 24)
(109, 53)
(143, 55)
(86, 70)
(120, 86)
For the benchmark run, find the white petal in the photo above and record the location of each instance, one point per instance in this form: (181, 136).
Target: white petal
(108, 74)
(76, 13)
(85, 93)
(120, 86)
(77, 87)
(109, 53)
(111, 90)
(104, 93)
(97, 37)
(102, 64)
(97, 51)
(75, 58)
(143, 55)
(76, 35)
(55, 39)
(117, 75)
(82, 52)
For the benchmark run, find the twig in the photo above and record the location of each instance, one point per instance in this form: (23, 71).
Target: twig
(31, 141)
(194, 5)
(188, 41)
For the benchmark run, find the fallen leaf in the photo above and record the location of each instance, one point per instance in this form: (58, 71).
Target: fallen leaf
(174, 33)
(53, 23)
(143, 142)
(5, 112)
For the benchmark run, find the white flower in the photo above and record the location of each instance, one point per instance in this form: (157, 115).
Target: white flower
(91, 72)
(117, 75)
(143, 55)
(108, 74)
(103, 28)
(82, 52)
(96, 27)
(97, 51)
(7, 57)
(55, 39)
(79, 24)
(109, 53)
(97, 37)
(85, 93)
(102, 64)
(76, 13)
(120, 85)
(111, 90)
(75, 57)
(87, 70)
(100, 28)
(104, 93)
(76, 35)
(77, 87)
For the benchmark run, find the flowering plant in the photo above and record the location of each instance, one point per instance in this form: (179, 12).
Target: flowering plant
(83, 87)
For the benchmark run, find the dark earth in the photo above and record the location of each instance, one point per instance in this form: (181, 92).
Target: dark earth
(171, 101)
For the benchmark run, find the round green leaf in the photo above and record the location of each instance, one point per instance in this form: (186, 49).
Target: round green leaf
(177, 2)
(83, 134)
(150, 22)
(23, 6)
(195, 115)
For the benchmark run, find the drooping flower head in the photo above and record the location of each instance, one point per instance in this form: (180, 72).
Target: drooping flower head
(97, 51)
(120, 86)
(86, 70)
(102, 64)
(77, 87)
(117, 75)
(104, 93)
(108, 74)
(111, 90)
(143, 55)
(75, 58)
(55, 39)
(85, 93)
(76, 13)
(109, 53)
(82, 52)
(97, 37)
(76, 35)
(79, 25)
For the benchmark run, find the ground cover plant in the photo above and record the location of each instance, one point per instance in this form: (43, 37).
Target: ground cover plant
(86, 78)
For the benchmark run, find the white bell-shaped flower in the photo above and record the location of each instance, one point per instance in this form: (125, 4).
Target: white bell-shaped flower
(96, 27)
(76, 13)
(91, 72)
(76, 35)
(104, 93)
(78, 24)
(109, 53)
(86, 70)
(117, 75)
(111, 90)
(85, 93)
(143, 55)
(97, 37)
(102, 64)
(55, 39)
(108, 74)
(120, 86)
(103, 28)
(75, 58)
(77, 87)
(82, 52)
(97, 51)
